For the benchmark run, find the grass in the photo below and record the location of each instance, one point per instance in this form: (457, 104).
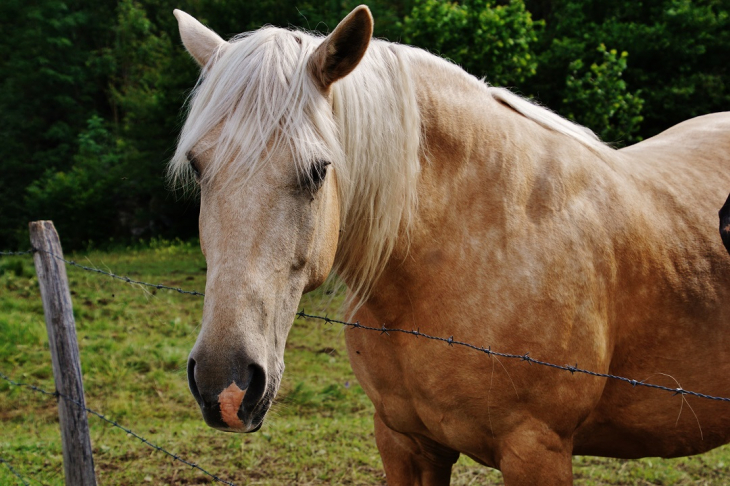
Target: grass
(134, 344)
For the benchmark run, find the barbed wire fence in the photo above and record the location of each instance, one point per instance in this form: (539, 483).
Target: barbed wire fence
(417, 333)
(79, 404)
(383, 330)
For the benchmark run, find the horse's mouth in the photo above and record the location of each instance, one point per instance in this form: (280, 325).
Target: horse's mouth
(248, 421)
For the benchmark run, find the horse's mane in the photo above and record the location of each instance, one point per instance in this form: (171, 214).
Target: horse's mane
(258, 92)
(545, 117)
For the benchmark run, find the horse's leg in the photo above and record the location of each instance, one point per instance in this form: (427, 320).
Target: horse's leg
(536, 455)
(408, 461)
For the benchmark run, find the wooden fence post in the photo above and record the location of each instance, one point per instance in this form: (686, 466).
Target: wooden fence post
(78, 462)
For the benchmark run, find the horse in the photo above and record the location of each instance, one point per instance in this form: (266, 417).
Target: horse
(459, 209)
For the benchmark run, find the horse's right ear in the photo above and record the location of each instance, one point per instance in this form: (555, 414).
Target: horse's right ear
(201, 42)
(344, 48)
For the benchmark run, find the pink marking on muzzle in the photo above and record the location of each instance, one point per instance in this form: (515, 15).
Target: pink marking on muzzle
(230, 401)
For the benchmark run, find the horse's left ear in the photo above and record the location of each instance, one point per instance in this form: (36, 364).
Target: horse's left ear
(344, 48)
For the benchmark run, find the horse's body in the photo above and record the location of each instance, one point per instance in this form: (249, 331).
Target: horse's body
(527, 236)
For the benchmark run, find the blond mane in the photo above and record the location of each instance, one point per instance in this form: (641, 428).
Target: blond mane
(258, 91)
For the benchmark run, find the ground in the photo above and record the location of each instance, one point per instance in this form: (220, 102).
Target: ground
(134, 343)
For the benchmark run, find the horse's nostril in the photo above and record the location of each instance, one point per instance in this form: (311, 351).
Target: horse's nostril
(256, 385)
(191, 382)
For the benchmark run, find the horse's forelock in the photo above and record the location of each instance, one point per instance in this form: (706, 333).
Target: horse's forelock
(256, 89)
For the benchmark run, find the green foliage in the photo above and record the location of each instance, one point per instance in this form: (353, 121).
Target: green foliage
(91, 92)
(678, 51)
(45, 94)
(597, 98)
(482, 36)
(82, 201)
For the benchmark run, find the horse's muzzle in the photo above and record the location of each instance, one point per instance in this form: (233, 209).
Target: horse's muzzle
(238, 407)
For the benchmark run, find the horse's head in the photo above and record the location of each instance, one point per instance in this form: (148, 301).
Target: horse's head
(262, 143)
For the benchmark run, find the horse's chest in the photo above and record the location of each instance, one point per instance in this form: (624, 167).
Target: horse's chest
(418, 386)
(384, 375)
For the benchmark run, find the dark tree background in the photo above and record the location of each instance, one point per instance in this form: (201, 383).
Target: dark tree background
(91, 92)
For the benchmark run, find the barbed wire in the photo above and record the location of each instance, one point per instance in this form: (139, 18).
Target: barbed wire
(16, 473)
(522, 357)
(122, 277)
(114, 423)
(450, 341)
(9, 253)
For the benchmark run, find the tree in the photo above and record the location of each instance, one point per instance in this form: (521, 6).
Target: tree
(46, 92)
(484, 37)
(677, 55)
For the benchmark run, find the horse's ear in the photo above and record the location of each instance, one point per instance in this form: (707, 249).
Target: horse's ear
(344, 48)
(725, 224)
(201, 42)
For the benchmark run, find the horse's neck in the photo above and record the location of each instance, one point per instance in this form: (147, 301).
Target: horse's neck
(487, 171)
(477, 144)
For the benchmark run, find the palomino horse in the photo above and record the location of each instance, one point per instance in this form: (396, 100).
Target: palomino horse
(460, 209)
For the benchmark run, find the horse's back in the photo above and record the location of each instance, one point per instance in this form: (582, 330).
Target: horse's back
(683, 174)
(694, 151)
(705, 134)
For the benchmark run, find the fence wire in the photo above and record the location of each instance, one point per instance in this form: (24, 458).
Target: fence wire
(522, 357)
(9, 253)
(417, 333)
(112, 422)
(450, 340)
(121, 277)
(16, 473)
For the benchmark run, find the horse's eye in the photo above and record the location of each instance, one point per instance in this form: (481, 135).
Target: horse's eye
(193, 164)
(315, 177)
(196, 169)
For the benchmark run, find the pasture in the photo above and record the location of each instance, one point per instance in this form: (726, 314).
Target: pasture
(134, 343)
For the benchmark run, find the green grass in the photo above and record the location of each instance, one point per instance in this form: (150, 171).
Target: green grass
(134, 344)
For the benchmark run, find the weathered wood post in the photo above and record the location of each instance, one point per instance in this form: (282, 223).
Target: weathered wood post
(78, 462)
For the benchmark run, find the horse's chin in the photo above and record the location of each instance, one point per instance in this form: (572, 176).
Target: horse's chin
(244, 430)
